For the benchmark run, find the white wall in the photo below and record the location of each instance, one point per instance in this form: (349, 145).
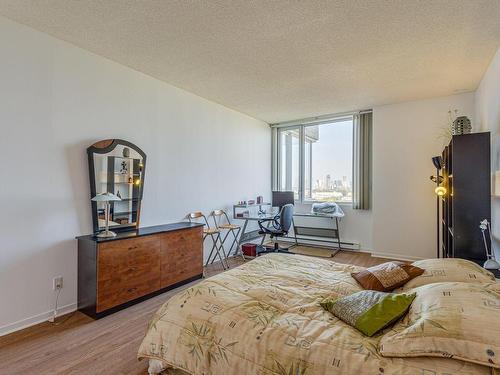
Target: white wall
(488, 118)
(405, 137)
(56, 100)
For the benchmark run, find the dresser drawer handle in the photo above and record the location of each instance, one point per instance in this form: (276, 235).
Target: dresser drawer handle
(131, 290)
(132, 269)
(132, 247)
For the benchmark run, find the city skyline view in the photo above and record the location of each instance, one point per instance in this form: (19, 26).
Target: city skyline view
(327, 161)
(332, 162)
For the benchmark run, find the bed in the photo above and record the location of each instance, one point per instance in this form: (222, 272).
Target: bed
(264, 318)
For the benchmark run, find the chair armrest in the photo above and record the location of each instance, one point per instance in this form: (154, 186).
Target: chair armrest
(274, 220)
(264, 220)
(260, 222)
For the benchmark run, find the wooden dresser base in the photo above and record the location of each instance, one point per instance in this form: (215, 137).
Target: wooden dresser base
(114, 273)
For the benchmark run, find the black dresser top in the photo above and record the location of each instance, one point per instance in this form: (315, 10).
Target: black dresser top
(146, 231)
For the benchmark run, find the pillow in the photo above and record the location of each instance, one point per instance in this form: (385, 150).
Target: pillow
(452, 320)
(387, 276)
(448, 269)
(369, 311)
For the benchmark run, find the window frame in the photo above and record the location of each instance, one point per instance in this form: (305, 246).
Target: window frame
(276, 153)
(278, 150)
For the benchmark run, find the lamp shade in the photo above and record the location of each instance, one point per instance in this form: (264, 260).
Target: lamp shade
(105, 197)
(438, 162)
(491, 264)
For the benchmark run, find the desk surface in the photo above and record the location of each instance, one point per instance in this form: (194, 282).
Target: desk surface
(299, 214)
(308, 214)
(256, 217)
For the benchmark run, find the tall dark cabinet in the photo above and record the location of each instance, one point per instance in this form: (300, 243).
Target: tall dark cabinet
(466, 177)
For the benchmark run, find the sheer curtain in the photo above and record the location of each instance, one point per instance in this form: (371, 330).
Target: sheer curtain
(362, 163)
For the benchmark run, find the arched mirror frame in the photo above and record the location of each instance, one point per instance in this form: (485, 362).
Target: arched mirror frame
(104, 147)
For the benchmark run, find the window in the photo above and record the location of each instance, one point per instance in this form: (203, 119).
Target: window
(289, 147)
(315, 160)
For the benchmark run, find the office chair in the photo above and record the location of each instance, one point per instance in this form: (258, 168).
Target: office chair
(281, 224)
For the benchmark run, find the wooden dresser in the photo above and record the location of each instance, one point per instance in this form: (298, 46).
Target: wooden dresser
(114, 273)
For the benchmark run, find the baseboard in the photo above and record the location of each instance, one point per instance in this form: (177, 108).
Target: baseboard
(36, 319)
(395, 256)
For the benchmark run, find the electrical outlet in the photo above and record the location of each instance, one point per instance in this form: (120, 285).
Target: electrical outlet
(57, 283)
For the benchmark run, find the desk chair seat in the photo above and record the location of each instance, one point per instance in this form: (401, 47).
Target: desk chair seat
(229, 226)
(210, 230)
(222, 222)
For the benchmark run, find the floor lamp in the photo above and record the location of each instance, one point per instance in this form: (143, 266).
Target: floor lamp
(440, 192)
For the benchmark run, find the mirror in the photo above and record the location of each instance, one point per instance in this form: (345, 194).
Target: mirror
(118, 167)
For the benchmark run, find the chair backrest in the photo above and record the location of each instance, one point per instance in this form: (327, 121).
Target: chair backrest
(193, 216)
(217, 215)
(286, 217)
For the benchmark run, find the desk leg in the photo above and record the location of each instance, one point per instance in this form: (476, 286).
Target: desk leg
(295, 234)
(264, 235)
(338, 231)
(234, 242)
(240, 240)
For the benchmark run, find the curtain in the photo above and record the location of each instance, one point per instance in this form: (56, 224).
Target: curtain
(362, 161)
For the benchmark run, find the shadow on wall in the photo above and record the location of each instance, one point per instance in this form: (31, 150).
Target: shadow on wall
(78, 172)
(35, 293)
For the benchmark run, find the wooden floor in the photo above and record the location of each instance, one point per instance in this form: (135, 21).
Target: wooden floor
(80, 345)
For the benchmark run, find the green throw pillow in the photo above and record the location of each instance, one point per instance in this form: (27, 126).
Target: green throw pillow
(369, 311)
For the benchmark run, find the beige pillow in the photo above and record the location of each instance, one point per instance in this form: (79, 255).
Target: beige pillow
(452, 320)
(446, 270)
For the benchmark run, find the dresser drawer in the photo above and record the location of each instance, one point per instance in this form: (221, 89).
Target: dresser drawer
(108, 298)
(181, 255)
(126, 270)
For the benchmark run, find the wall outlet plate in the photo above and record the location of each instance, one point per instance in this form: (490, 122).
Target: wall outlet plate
(57, 283)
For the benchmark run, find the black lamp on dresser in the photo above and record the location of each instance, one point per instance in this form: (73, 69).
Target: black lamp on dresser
(133, 264)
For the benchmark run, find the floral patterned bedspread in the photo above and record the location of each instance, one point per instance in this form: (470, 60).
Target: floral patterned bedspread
(264, 318)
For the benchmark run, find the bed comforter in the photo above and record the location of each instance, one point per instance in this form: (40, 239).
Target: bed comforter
(264, 318)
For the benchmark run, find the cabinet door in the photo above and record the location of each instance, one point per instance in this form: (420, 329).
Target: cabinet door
(181, 255)
(126, 270)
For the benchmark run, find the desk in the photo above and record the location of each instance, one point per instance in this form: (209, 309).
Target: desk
(253, 234)
(333, 234)
(248, 207)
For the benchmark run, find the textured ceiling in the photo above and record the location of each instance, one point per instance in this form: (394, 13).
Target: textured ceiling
(281, 60)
